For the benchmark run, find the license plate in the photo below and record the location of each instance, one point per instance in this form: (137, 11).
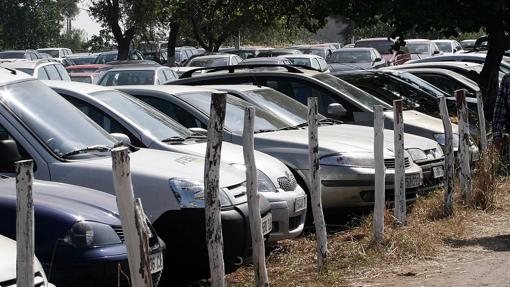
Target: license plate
(438, 171)
(300, 204)
(267, 223)
(413, 180)
(156, 262)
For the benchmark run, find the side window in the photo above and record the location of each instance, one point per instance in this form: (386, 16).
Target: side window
(170, 74)
(173, 111)
(103, 120)
(41, 74)
(160, 77)
(52, 72)
(63, 72)
(442, 82)
(10, 152)
(32, 56)
(315, 64)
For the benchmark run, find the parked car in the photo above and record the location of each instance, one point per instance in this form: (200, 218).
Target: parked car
(8, 266)
(106, 57)
(82, 58)
(448, 46)
(266, 60)
(56, 53)
(136, 75)
(278, 52)
(68, 147)
(296, 114)
(422, 48)
(249, 52)
(385, 47)
(346, 163)
(214, 60)
(356, 59)
(85, 73)
(20, 54)
(76, 229)
(321, 51)
(149, 128)
(467, 44)
(44, 69)
(478, 58)
(312, 61)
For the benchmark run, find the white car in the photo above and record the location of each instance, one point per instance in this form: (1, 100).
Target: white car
(56, 53)
(8, 266)
(147, 127)
(448, 46)
(44, 69)
(309, 60)
(68, 147)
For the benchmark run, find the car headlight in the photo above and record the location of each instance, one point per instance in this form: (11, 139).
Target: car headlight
(441, 139)
(190, 193)
(417, 154)
(88, 233)
(264, 183)
(362, 159)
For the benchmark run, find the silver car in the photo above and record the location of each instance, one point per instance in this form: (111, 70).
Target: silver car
(147, 127)
(347, 164)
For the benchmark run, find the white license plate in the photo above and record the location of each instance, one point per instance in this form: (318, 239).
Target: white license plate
(413, 180)
(267, 223)
(156, 262)
(438, 171)
(300, 204)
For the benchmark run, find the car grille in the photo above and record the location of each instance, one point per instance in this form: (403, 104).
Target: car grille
(38, 281)
(287, 183)
(153, 240)
(390, 163)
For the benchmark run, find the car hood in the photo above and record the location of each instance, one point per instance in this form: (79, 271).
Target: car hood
(68, 200)
(350, 66)
(8, 262)
(417, 119)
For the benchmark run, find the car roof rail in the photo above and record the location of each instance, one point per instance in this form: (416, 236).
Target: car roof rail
(231, 69)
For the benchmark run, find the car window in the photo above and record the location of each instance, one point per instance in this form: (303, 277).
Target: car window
(63, 72)
(170, 74)
(52, 72)
(315, 64)
(173, 111)
(160, 77)
(444, 83)
(127, 77)
(32, 56)
(41, 74)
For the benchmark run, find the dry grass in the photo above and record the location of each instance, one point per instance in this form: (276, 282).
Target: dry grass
(486, 181)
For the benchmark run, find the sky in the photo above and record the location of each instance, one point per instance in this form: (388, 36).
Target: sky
(83, 20)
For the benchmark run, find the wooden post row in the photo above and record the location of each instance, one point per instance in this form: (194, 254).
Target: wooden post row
(449, 158)
(481, 121)
(380, 173)
(259, 255)
(213, 231)
(24, 224)
(464, 159)
(131, 220)
(400, 181)
(315, 184)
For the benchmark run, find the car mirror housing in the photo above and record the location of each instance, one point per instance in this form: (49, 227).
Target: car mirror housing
(199, 131)
(336, 109)
(436, 52)
(121, 138)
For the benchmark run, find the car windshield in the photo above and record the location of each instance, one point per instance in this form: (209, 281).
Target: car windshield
(12, 55)
(318, 52)
(105, 58)
(127, 77)
(81, 70)
(62, 132)
(383, 47)
(445, 47)
(358, 95)
(234, 117)
(281, 105)
(142, 114)
(422, 84)
(418, 48)
(350, 56)
(83, 60)
(82, 79)
(300, 61)
(26, 70)
(52, 52)
(208, 62)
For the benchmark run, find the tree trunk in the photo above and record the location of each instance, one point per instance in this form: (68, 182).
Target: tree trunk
(124, 43)
(172, 40)
(488, 80)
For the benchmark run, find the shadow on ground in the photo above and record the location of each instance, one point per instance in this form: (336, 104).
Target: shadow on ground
(499, 243)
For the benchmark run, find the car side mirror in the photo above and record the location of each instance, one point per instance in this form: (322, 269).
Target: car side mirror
(436, 52)
(121, 138)
(199, 131)
(377, 59)
(336, 109)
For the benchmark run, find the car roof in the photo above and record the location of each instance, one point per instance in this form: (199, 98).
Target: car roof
(354, 49)
(441, 63)
(25, 64)
(87, 66)
(139, 67)
(418, 41)
(77, 86)
(9, 75)
(374, 39)
(240, 88)
(310, 56)
(262, 59)
(42, 49)
(213, 56)
(171, 89)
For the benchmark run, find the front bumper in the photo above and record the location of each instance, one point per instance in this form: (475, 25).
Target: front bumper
(431, 179)
(350, 187)
(95, 266)
(288, 222)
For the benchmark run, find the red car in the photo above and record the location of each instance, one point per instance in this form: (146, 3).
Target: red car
(85, 73)
(384, 47)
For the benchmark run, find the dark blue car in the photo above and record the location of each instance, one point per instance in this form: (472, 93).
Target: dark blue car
(78, 234)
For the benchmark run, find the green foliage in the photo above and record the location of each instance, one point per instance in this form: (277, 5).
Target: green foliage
(74, 40)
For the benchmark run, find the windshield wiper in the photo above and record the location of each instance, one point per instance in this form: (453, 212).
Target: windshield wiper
(174, 139)
(330, 121)
(303, 124)
(100, 148)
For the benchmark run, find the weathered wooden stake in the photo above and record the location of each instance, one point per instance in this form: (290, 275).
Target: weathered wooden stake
(380, 174)
(132, 222)
(24, 224)
(481, 121)
(464, 159)
(400, 181)
(450, 158)
(213, 232)
(315, 184)
(257, 238)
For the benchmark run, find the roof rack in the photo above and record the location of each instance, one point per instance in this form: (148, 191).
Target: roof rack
(231, 69)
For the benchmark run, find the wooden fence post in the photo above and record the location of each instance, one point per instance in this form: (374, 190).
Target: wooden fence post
(400, 181)
(24, 224)
(481, 121)
(315, 184)
(380, 174)
(464, 158)
(213, 231)
(449, 158)
(139, 261)
(257, 238)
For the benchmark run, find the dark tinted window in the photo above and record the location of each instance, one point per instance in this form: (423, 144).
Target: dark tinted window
(444, 83)
(12, 55)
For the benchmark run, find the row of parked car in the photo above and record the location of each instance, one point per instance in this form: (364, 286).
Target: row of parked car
(68, 128)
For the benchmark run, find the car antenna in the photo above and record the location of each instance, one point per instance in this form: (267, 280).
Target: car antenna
(256, 81)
